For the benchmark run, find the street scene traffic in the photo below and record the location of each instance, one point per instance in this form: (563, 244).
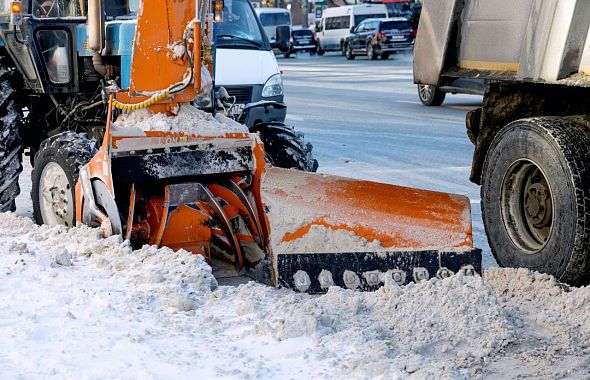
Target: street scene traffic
(294, 189)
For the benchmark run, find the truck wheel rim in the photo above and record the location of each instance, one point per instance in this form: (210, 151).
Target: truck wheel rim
(55, 196)
(425, 92)
(527, 206)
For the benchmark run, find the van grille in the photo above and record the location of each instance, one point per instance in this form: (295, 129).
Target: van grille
(242, 94)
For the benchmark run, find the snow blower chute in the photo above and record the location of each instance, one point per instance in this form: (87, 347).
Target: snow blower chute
(200, 181)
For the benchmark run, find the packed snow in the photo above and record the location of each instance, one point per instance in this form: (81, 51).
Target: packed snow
(75, 305)
(188, 119)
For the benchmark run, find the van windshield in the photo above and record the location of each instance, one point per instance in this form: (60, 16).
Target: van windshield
(275, 19)
(239, 27)
(359, 18)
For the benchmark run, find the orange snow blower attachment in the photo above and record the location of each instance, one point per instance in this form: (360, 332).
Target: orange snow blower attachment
(206, 187)
(329, 230)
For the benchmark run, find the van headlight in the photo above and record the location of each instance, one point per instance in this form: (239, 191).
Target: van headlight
(273, 86)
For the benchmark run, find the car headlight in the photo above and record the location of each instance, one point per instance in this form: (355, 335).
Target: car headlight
(273, 86)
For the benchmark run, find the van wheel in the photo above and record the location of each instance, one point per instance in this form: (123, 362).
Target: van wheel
(343, 49)
(371, 54)
(319, 49)
(535, 197)
(349, 53)
(287, 54)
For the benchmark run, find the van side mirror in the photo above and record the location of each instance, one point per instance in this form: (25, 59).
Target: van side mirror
(283, 32)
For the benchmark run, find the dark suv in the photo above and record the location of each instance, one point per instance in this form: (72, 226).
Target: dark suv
(379, 37)
(302, 40)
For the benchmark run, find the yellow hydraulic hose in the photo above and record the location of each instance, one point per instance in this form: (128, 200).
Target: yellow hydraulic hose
(146, 103)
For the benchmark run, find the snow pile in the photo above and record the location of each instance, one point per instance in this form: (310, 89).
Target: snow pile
(423, 329)
(73, 303)
(552, 322)
(189, 119)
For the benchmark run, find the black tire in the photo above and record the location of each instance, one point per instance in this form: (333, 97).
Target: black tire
(70, 151)
(10, 141)
(319, 50)
(384, 56)
(343, 48)
(349, 53)
(371, 53)
(285, 147)
(431, 95)
(536, 197)
(287, 54)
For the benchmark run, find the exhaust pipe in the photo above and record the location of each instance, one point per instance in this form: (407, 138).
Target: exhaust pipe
(96, 34)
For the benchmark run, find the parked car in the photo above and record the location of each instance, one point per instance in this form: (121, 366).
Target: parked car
(435, 96)
(301, 41)
(337, 22)
(379, 38)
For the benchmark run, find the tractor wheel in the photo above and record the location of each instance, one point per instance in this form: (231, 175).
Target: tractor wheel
(285, 147)
(10, 141)
(349, 53)
(535, 197)
(54, 177)
(431, 95)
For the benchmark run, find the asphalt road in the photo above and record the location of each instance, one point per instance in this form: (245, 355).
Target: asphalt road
(365, 121)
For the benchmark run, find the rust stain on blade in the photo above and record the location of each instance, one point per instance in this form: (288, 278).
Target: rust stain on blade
(398, 217)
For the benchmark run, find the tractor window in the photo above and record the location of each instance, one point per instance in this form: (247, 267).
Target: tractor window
(59, 8)
(55, 49)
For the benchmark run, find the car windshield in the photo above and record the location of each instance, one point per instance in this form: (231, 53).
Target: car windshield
(239, 26)
(275, 19)
(302, 32)
(395, 25)
(360, 18)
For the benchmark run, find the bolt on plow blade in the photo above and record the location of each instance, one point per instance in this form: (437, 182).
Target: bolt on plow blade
(328, 230)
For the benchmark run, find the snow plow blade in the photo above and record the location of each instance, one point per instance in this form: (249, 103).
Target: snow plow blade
(328, 230)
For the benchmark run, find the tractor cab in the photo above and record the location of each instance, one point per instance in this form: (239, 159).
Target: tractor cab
(43, 43)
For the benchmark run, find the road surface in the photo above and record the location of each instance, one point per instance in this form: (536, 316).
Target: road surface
(365, 120)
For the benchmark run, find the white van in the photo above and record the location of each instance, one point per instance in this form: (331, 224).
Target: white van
(270, 18)
(245, 63)
(337, 22)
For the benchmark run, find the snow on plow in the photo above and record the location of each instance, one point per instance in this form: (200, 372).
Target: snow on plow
(329, 230)
(206, 188)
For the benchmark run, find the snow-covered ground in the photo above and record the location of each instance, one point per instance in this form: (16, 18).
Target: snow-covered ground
(76, 306)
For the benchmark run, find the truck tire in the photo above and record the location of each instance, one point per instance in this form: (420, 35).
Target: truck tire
(10, 141)
(431, 95)
(535, 197)
(285, 147)
(54, 177)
